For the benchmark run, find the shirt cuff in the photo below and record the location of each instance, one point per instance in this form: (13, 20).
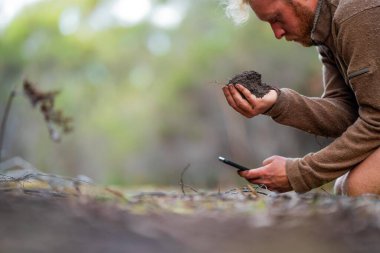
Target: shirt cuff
(295, 175)
(281, 104)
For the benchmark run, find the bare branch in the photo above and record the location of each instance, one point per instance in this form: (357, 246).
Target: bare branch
(5, 118)
(181, 183)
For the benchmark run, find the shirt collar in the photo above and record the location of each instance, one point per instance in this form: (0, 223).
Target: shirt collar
(322, 23)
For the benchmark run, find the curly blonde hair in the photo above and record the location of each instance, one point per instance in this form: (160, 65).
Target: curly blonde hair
(237, 10)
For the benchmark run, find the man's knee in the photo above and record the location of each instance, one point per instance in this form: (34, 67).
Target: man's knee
(354, 183)
(351, 185)
(364, 178)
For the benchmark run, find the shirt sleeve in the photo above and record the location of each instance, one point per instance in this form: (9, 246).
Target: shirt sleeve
(329, 115)
(359, 38)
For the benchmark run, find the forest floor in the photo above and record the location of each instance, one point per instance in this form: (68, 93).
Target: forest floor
(96, 219)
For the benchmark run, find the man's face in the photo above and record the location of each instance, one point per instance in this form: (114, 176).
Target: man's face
(288, 18)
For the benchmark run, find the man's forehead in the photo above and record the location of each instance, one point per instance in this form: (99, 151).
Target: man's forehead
(261, 1)
(264, 9)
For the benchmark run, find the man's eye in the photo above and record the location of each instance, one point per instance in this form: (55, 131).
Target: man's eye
(274, 20)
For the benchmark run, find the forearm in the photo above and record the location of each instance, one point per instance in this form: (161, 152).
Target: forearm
(316, 169)
(321, 116)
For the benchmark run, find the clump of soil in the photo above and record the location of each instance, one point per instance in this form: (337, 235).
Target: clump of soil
(252, 81)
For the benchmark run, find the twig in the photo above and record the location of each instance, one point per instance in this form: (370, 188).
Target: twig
(39, 176)
(262, 193)
(116, 193)
(46, 193)
(262, 186)
(253, 191)
(325, 191)
(5, 118)
(215, 83)
(230, 191)
(190, 187)
(181, 179)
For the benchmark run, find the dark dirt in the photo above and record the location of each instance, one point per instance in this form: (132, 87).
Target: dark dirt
(305, 224)
(252, 81)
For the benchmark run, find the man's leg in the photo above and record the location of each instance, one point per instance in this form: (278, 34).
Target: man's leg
(364, 178)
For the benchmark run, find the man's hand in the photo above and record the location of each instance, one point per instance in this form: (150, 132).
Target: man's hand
(272, 174)
(247, 104)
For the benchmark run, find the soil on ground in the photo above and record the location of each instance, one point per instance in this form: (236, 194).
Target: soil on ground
(252, 81)
(234, 221)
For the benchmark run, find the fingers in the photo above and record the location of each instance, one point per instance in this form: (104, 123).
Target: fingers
(231, 101)
(253, 174)
(246, 103)
(257, 176)
(260, 181)
(247, 94)
(273, 174)
(239, 102)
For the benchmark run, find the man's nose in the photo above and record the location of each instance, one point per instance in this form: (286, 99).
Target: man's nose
(278, 31)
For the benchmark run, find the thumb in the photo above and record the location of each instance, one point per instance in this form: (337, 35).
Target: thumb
(269, 160)
(253, 173)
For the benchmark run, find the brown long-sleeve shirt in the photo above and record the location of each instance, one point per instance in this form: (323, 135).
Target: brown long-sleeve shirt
(347, 35)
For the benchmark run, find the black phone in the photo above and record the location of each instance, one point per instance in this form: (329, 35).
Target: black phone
(231, 163)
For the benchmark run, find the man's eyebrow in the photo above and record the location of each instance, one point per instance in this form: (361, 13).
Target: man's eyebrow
(270, 17)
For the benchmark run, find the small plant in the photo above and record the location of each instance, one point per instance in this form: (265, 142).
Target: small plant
(53, 117)
(44, 101)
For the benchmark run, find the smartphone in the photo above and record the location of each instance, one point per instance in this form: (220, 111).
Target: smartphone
(231, 163)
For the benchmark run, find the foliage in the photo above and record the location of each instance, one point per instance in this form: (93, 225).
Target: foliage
(143, 96)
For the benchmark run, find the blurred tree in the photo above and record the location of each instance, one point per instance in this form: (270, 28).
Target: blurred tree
(142, 80)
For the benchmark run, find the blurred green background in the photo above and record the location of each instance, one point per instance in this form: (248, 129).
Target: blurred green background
(142, 80)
